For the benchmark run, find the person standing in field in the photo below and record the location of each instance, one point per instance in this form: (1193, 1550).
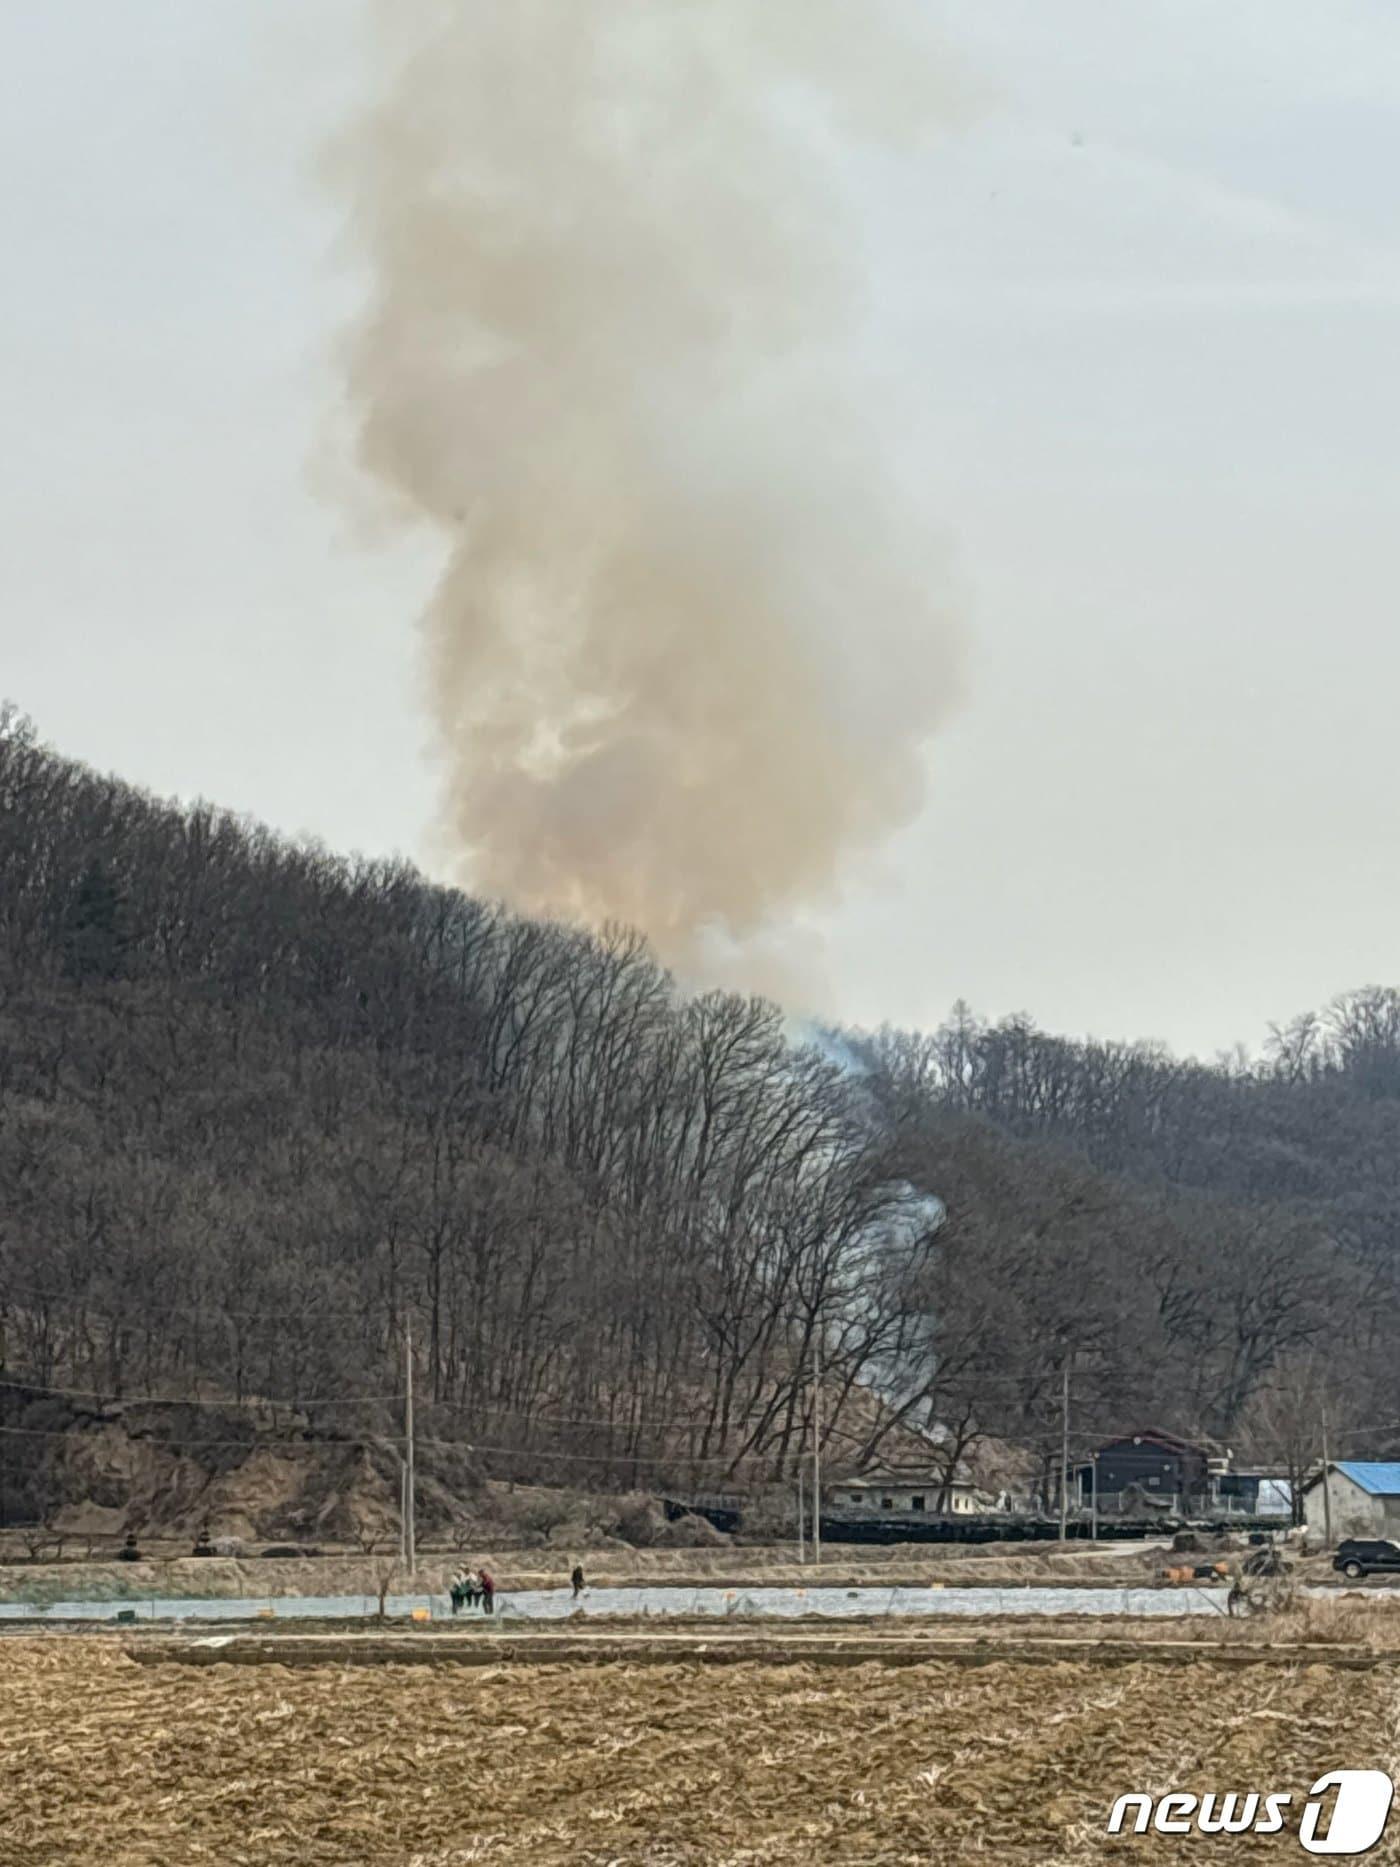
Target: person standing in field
(577, 1579)
(463, 1590)
(486, 1582)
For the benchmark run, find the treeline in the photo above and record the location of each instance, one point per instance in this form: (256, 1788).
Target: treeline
(1213, 1247)
(262, 1109)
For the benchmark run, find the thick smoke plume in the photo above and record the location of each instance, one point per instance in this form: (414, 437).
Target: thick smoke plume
(691, 636)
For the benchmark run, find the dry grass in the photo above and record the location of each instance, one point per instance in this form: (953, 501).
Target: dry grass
(131, 1766)
(1341, 1619)
(908, 1565)
(902, 1564)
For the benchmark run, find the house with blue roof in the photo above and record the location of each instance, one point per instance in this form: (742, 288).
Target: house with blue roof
(1360, 1497)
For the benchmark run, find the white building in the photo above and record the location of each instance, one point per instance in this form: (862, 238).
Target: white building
(1361, 1498)
(884, 1494)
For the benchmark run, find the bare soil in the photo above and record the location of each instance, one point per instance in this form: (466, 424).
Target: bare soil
(907, 1564)
(106, 1761)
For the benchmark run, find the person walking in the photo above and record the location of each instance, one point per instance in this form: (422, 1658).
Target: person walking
(486, 1582)
(577, 1579)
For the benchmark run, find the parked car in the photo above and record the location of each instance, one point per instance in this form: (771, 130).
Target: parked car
(1357, 1556)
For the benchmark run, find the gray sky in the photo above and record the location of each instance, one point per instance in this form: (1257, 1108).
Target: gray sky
(1137, 325)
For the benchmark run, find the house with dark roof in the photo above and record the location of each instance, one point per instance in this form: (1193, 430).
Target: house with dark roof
(1360, 1496)
(1156, 1473)
(1145, 1472)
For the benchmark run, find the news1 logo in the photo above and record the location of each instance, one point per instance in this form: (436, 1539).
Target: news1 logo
(1358, 1813)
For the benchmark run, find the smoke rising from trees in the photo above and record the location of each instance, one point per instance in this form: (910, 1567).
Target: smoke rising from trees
(259, 1104)
(692, 634)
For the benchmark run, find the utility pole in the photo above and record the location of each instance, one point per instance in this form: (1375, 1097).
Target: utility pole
(1064, 1453)
(801, 1516)
(1094, 1497)
(409, 1538)
(1326, 1483)
(817, 1445)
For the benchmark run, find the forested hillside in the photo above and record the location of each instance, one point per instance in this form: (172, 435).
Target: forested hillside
(261, 1107)
(1222, 1241)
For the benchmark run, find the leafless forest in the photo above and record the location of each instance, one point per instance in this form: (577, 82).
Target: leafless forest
(260, 1105)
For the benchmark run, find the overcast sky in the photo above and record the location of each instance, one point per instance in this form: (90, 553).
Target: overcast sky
(1143, 312)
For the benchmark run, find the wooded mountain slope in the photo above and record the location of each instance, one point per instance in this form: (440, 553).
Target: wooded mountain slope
(261, 1106)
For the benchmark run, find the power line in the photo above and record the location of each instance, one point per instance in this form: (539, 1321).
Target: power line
(692, 1422)
(251, 1444)
(686, 1424)
(108, 1398)
(597, 1458)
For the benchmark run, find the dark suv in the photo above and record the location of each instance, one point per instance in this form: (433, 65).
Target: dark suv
(1356, 1557)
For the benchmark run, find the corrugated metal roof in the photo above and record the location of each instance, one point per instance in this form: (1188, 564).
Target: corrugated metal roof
(1379, 1480)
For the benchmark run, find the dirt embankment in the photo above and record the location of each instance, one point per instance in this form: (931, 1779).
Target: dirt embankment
(86, 1471)
(80, 1475)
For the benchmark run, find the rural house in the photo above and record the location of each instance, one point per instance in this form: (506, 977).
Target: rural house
(1137, 1474)
(1363, 1499)
(883, 1494)
(1146, 1471)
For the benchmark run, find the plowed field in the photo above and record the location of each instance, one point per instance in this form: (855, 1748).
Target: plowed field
(104, 1761)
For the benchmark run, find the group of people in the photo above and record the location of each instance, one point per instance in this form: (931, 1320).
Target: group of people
(470, 1586)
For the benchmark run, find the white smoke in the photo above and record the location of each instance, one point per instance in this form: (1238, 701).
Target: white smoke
(691, 637)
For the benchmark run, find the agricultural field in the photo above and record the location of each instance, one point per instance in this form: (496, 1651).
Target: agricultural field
(174, 1572)
(103, 1760)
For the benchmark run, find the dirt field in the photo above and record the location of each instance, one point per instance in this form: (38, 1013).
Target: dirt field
(912, 1564)
(102, 1760)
